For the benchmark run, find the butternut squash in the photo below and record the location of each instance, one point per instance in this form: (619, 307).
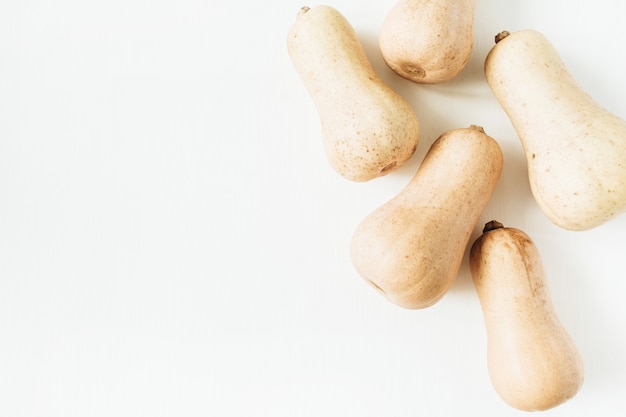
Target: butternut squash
(428, 41)
(533, 362)
(368, 129)
(575, 149)
(410, 249)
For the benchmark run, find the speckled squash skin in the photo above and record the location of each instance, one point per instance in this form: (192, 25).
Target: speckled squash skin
(410, 249)
(533, 362)
(428, 41)
(575, 149)
(368, 129)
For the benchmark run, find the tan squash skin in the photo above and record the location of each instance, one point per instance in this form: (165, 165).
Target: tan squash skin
(575, 149)
(428, 41)
(533, 362)
(411, 248)
(368, 129)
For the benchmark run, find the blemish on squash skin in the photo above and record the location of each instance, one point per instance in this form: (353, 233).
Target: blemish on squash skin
(521, 243)
(414, 70)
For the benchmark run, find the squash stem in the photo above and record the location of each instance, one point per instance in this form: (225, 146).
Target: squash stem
(502, 35)
(492, 225)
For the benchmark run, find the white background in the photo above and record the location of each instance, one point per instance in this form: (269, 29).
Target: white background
(174, 243)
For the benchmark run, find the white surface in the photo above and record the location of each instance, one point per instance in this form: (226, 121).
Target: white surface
(173, 242)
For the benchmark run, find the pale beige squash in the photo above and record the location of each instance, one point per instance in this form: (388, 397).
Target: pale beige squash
(575, 149)
(428, 41)
(411, 247)
(532, 360)
(368, 129)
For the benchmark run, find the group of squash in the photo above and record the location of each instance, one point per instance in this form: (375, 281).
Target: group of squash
(410, 249)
